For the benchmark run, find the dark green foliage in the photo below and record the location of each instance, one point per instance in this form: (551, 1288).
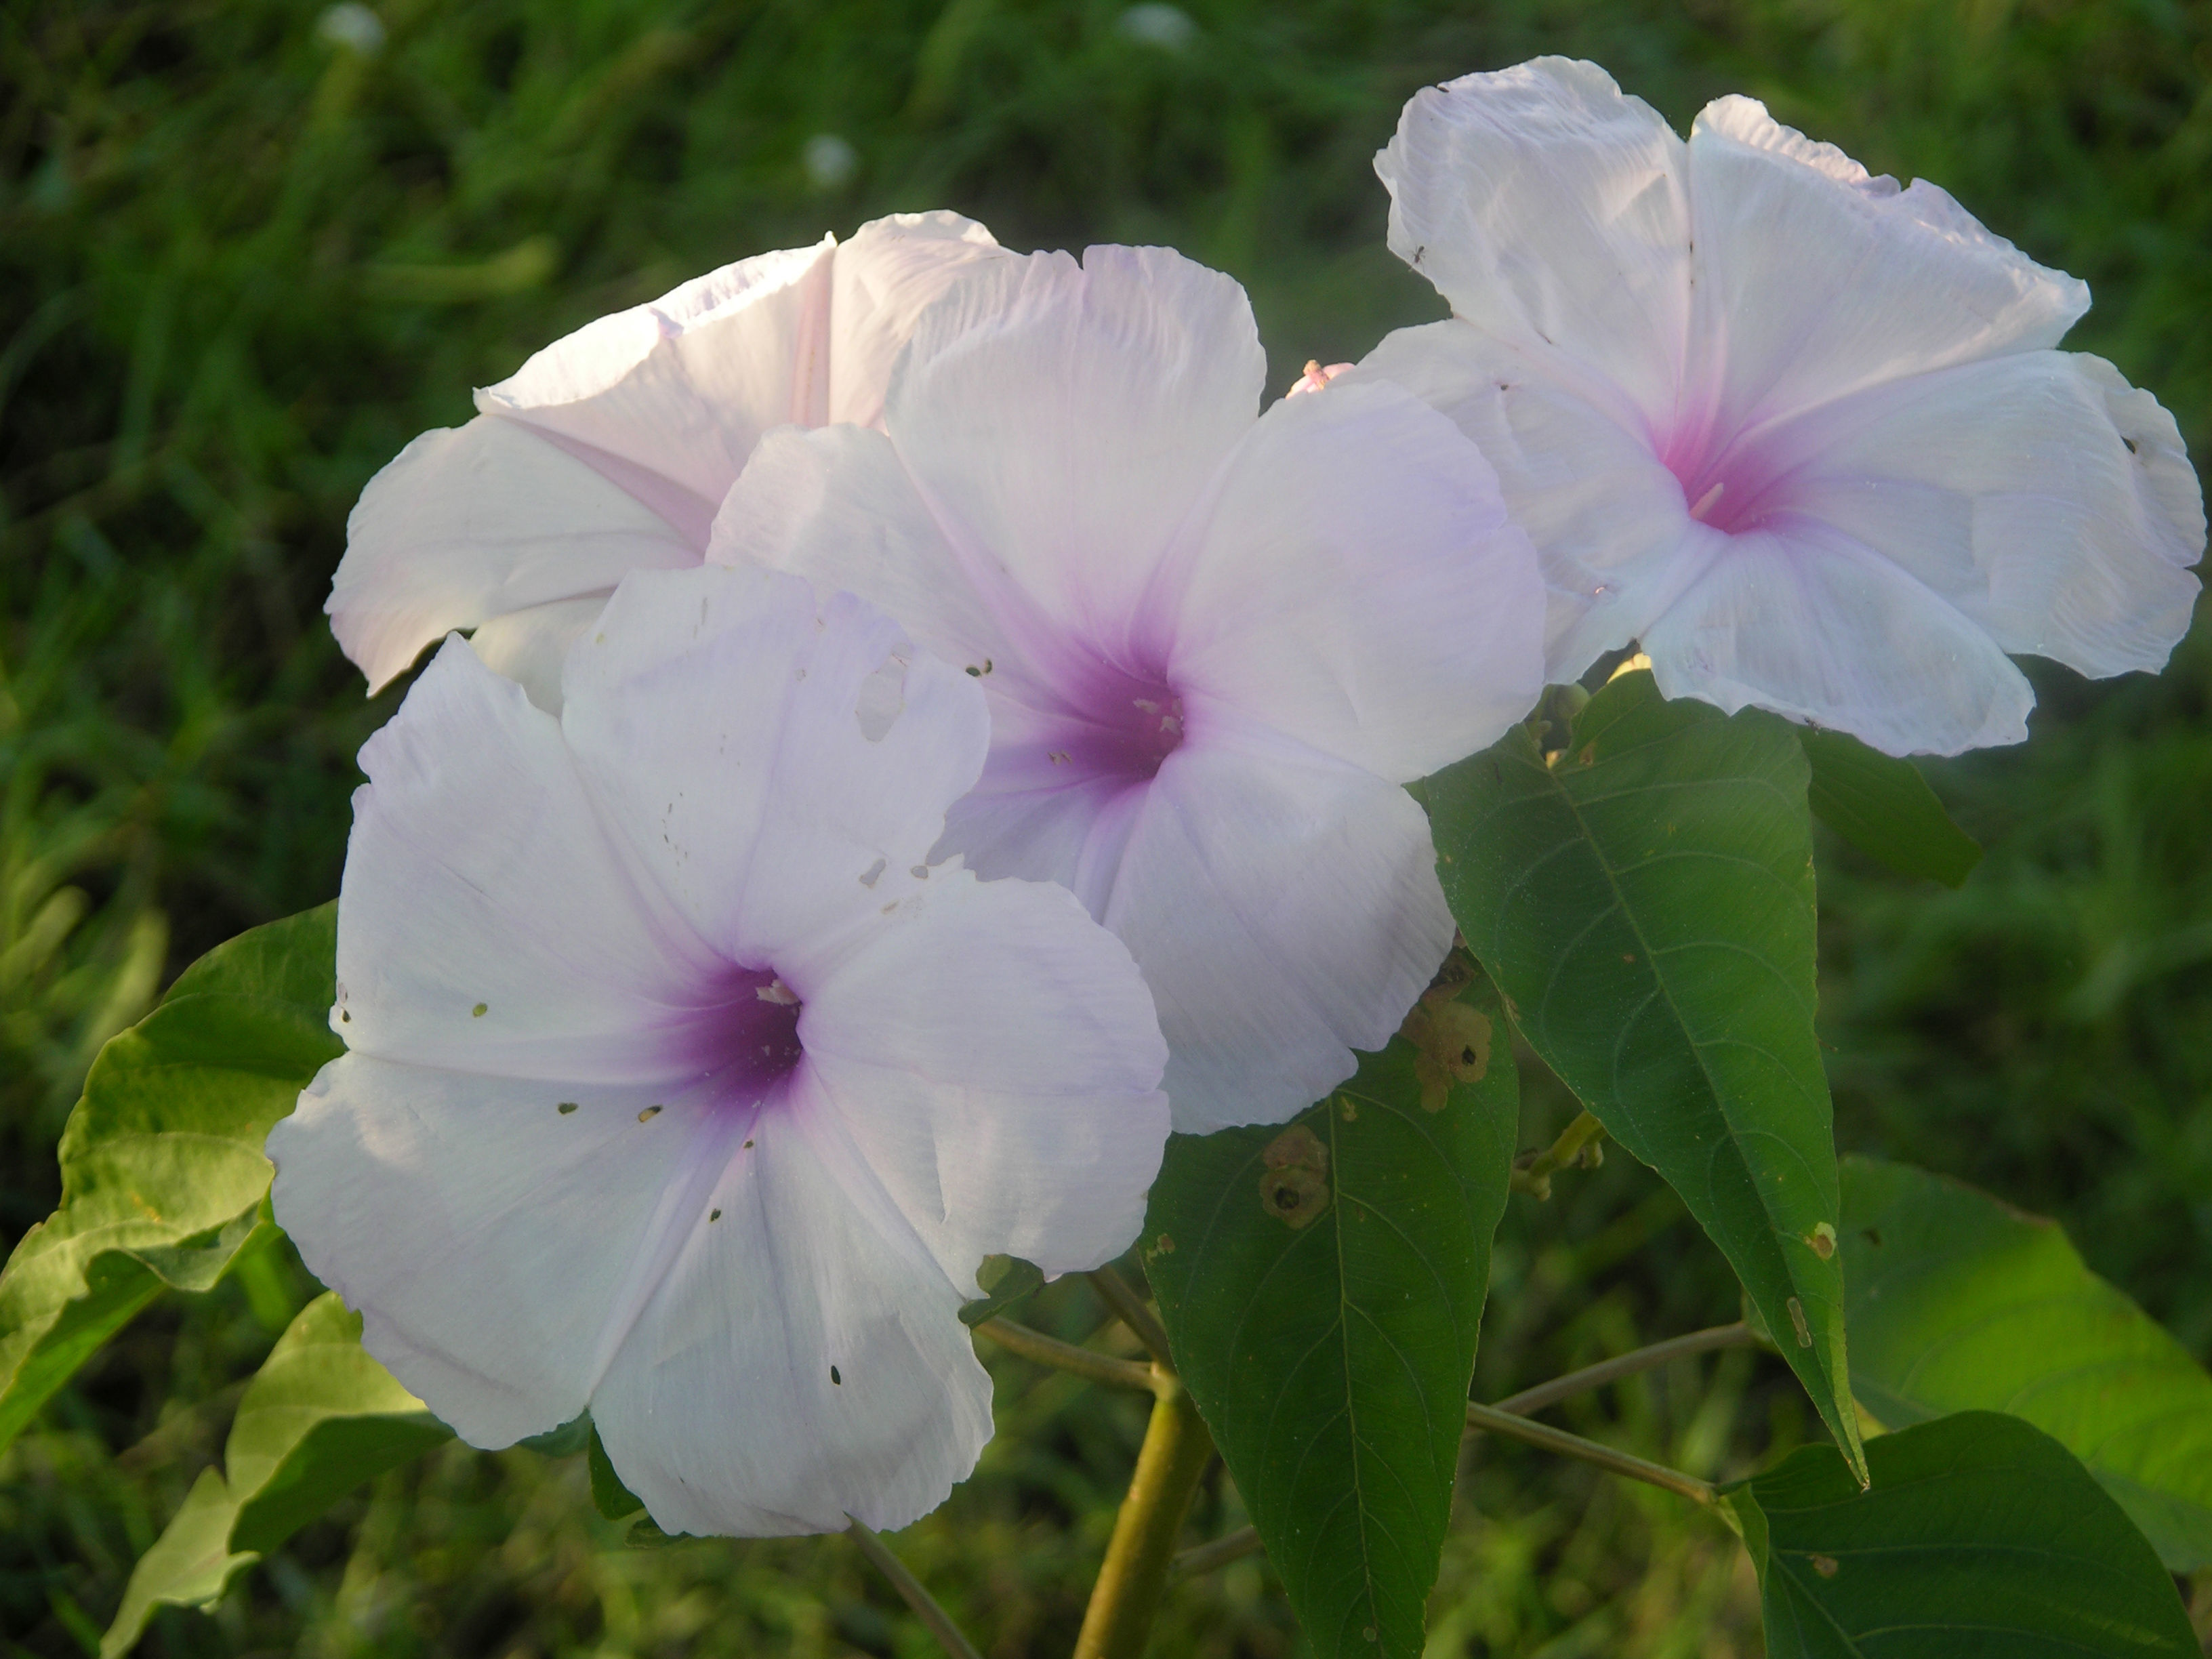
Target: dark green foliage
(1645, 900)
(1322, 1284)
(1982, 1538)
(1884, 808)
(1957, 1302)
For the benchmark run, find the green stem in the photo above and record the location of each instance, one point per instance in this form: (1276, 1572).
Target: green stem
(1205, 1557)
(1575, 1142)
(1490, 1419)
(1176, 1451)
(1065, 1356)
(1531, 1400)
(1129, 1307)
(909, 1587)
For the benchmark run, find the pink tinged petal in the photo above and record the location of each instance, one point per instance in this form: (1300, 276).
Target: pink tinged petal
(1799, 618)
(669, 398)
(1605, 518)
(1062, 420)
(1551, 210)
(885, 277)
(529, 646)
(1285, 910)
(837, 506)
(468, 525)
(487, 923)
(763, 757)
(1814, 280)
(986, 1041)
(498, 1245)
(2048, 499)
(1356, 584)
(801, 1360)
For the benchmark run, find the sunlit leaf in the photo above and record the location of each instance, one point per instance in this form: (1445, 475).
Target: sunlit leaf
(318, 1419)
(163, 1172)
(1981, 1538)
(1957, 1302)
(1884, 807)
(1322, 1283)
(1645, 904)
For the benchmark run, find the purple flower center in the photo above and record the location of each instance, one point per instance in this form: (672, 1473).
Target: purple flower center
(1728, 480)
(1124, 724)
(746, 1038)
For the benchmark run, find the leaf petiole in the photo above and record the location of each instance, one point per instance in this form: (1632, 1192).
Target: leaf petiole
(1130, 1308)
(1102, 1369)
(910, 1588)
(1490, 1419)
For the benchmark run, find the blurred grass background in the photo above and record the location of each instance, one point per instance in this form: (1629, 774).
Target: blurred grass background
(248, 248)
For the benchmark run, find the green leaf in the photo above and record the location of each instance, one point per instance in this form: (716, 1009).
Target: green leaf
(319, 1418)
(1645, 905)
(1884, 807)
(162, 1174)
(1959, 1301)
(1006, 1282)
(1982, 1538)
(1322, 1284)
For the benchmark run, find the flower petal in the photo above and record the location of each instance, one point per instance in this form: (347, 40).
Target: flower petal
(1060, 420)
(2046, 498)
(837, 506)
(1800, 619)
(1357, 584)
(1814, 280)
(885, 277)
(1285, 910)
(1550, 209)
(1605, 517)
(988, 1039)
(497, 1246)
(801, 1361)
(529, 646)
(469, 524)
(487, 923)
(676, 393)
(834, 748)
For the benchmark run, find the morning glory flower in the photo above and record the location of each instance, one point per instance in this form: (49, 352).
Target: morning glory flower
(681, 1085)
(610, 450)
(1801, 433)
(1215, 642)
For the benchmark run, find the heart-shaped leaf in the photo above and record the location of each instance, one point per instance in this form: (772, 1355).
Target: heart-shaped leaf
(319, 1418)
(163, 1172)
(1644, 898)
(1981, 1538)
(1321, 1283)
(1957, 1302)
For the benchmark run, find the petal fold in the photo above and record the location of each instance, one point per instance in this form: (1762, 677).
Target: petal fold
(469, 524)
(1800, 619)
(1061, 419)
(1551, 209)
(1357, 584)
(1285, 910)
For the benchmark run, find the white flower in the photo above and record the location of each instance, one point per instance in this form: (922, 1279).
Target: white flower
(1800, 433)
(679, 1086)
(1215, 646)
(608, 450)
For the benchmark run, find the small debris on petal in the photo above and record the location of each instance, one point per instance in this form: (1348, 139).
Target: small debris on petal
(648, 1114)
